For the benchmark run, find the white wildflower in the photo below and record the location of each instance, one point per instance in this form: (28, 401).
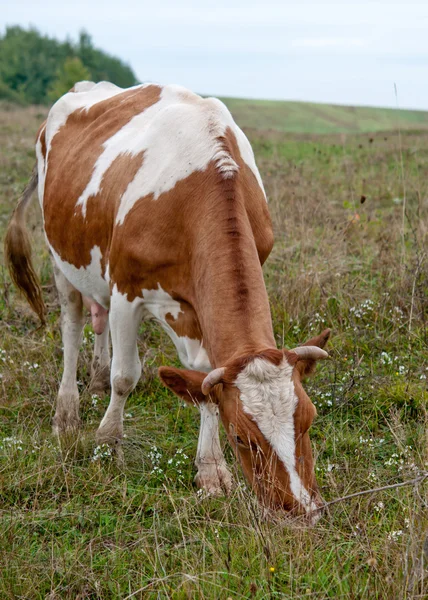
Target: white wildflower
(103, 451)
(385, 358)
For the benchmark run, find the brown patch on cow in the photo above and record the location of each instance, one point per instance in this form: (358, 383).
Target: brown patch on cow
(41, 136)
(73, 153)
(197, 266)
(203, 262)
(303, 417)
(255, 203)
(186, 323)
(96, 229)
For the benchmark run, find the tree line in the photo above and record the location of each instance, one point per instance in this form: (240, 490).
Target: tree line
(37, 69)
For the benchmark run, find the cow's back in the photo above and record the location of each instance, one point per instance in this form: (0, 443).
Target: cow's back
(123, 174)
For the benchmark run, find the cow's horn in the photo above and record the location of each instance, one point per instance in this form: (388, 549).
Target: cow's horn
(212, 379)
(310, 352)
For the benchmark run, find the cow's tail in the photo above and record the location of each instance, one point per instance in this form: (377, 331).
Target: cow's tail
(17, 250)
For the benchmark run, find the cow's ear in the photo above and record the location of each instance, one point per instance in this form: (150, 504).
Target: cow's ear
(320, 340)
(185, 384)
(306, 364)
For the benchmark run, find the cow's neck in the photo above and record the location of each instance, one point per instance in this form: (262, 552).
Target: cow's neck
(230, 296)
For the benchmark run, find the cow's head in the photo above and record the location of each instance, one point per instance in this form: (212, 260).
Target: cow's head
(267, 415)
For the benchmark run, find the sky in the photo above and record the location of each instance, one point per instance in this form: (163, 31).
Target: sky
(342, 53)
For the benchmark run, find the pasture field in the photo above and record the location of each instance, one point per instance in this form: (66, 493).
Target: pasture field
(304, 117)
(351, 219)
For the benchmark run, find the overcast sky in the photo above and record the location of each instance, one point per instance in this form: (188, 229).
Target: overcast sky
(343, 52)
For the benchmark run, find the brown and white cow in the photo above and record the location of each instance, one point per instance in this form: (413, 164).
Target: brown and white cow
(153, 207)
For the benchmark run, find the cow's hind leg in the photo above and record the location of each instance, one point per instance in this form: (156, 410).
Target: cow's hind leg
(100, 367)
(67, 406)
(125, 318)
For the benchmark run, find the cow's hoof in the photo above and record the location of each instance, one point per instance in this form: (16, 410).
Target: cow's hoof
(65, 424)
(66, 420)
(214, 479)
(112, 436)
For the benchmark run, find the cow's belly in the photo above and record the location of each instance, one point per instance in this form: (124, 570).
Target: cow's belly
(89, 280)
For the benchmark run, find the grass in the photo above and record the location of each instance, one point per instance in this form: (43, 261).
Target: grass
(307, 117)
(74, 525)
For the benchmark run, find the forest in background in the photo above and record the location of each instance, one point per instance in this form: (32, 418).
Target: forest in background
(38, 69)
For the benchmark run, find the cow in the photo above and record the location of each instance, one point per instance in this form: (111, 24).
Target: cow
(153, 207)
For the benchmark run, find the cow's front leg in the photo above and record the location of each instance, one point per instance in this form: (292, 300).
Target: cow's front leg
(124, 318)
(66, 417)
(213, 475)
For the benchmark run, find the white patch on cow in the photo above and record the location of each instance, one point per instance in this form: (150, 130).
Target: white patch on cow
(159, 303)
(225, 164)
(179, 135)
(89, 280)
(132, 139)
(40, 168)
(191, 352)
(191, 125)
(107, 273)
(85, 86)
(83, 99)
(247, 155)
(244, 145)
(268, 395)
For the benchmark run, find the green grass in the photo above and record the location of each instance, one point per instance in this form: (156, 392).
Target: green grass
(307, 117)
(75, 525)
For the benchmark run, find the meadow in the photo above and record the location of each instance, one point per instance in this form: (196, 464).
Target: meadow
(309, 117)
(350, 212)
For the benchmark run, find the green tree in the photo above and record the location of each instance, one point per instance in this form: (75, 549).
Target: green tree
(103, 66)
(71, 71)
(30, 64)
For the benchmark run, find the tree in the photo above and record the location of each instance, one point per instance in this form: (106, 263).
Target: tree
(72, 70)
(31, 65)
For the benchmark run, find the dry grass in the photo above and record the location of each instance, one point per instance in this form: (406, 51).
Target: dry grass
(75, 527)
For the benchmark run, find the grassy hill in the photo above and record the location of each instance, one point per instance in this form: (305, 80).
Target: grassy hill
(307, 117)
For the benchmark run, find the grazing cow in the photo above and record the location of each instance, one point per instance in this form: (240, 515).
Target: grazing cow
(153, 207)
